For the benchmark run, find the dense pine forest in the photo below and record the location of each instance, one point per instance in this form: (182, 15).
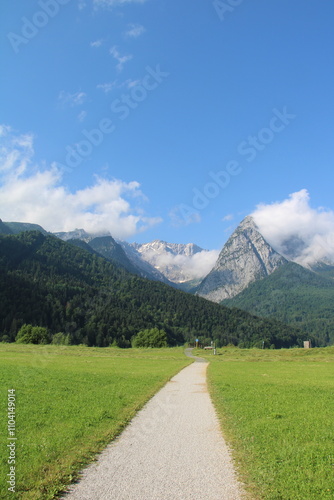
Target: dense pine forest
(296, 296)
(49, 283)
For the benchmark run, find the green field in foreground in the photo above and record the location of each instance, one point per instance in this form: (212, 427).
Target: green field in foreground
(277, 413)
(70, 402)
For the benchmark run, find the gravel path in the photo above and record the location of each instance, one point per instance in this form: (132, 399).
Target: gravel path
(173, 449)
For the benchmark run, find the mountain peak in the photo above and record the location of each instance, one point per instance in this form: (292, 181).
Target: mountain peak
(245, 258)
(248, 221)
(170, 259)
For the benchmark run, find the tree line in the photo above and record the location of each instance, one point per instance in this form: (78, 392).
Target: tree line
(45, 282)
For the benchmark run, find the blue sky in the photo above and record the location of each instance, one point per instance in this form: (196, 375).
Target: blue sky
(164, 119)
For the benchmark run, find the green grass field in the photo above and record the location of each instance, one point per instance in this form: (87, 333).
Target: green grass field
(70, 402)
(277, 413)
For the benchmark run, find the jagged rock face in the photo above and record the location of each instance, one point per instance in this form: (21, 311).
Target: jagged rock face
(246, 257)
(147, 270)
(168, 258)
(160, 247)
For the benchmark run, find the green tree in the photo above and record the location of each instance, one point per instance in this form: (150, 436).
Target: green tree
(60, 339)
(152, 337)
(29, 334)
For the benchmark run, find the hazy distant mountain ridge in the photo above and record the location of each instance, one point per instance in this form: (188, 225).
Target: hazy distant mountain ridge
(19, 227)
(160, 246)
(137, 260)
(176, 261)
(4, 229)
(246, 257)
(104, 244)
(78, 234)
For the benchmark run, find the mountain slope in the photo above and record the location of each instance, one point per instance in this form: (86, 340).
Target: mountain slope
(47, 282)
(246, 257)
(324, 269)
(295, 296)
(120, 253)
(158, 260)
(19, 227)
(108, 248)
(4, 229)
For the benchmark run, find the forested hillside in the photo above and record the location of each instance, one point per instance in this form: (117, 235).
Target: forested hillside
(295, 296)
(47, 282)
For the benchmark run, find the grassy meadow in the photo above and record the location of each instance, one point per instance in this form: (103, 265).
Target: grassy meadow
(71, 402)
(277, 413)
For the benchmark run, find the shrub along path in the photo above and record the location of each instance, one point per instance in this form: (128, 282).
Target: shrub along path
(173, 449)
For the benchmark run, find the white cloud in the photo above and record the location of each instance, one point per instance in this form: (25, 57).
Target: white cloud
(134, 30)
(297, 230)
(68, 99)
(107, 87)
(82, 115)
(191, 266)
(96, 44)
(228, 217)
(4, 130)
(15, 151)
(114, 3)
(29, 193)
(120, 59)
(129, 84)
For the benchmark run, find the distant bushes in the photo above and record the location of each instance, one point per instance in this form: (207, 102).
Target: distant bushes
(152, 337)
(29, 334)
(60, 339)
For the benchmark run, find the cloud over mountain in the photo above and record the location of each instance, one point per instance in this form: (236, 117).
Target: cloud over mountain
(296, 230)
(194, 266)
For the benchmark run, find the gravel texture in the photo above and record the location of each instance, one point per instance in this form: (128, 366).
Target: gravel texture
(173, 449)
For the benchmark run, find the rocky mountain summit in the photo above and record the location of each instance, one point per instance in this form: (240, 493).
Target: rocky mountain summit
(168, 258)
(246, 257)
(141, 264)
